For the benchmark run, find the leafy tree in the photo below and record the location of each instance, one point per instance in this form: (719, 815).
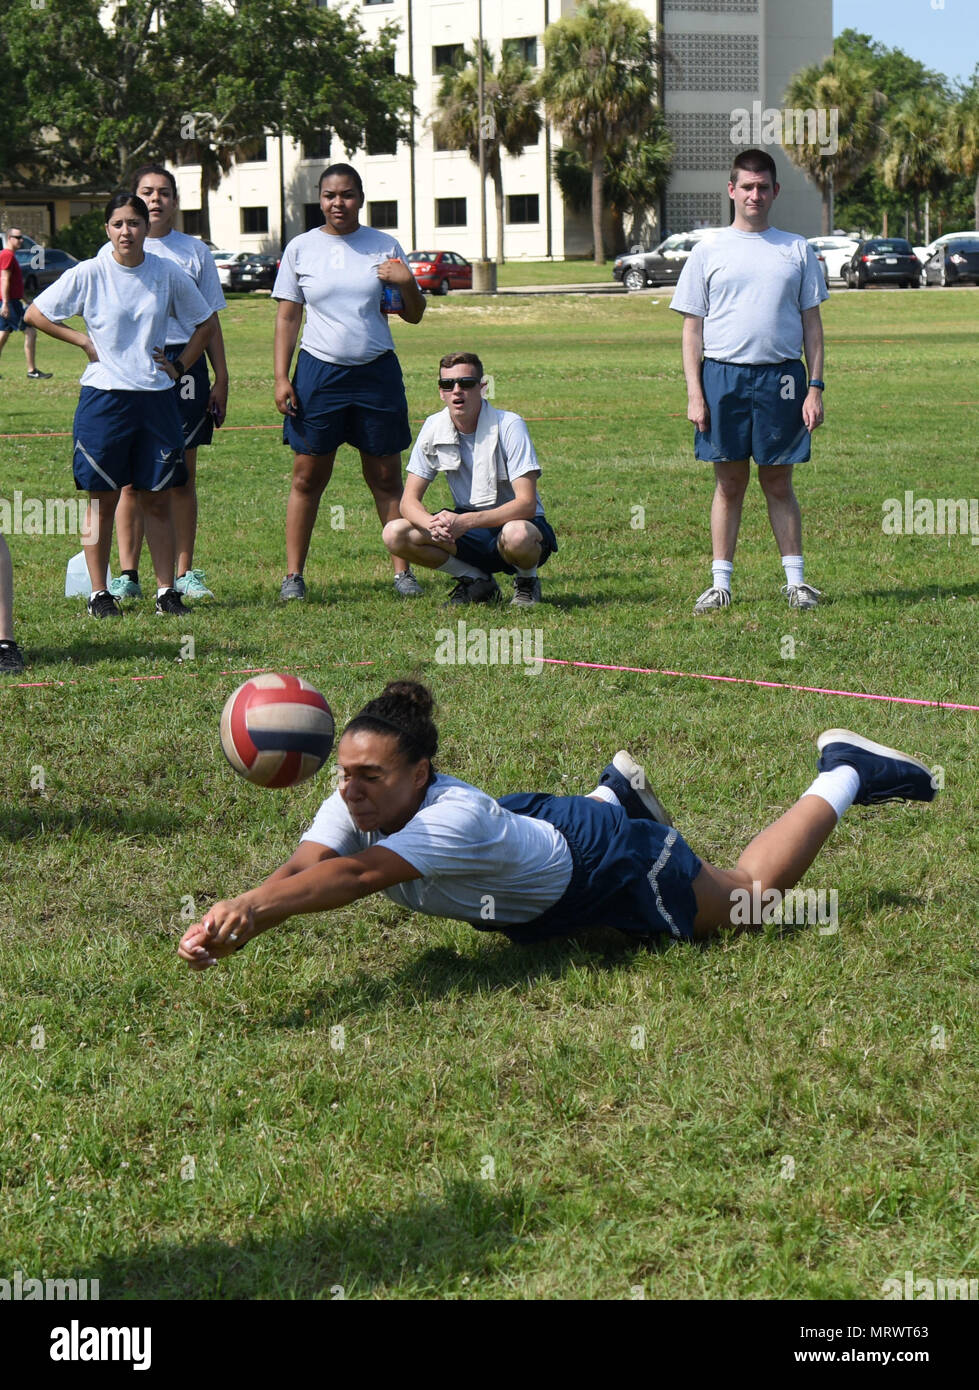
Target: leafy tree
(511, 116)
(191, 79)
(916, 159)
(636, 173)
(842, 85)
(599, 82)
(962, 138)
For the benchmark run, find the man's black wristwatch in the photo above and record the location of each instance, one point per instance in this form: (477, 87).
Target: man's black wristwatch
(181, 370)
(819, 385)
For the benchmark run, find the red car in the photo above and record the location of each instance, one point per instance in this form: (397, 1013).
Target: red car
(440, 271)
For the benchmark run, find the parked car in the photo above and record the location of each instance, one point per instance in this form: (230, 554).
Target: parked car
(223, 259)
(835, 251)
(883, 261)
(41, 265)
(440, 271)
(663, 264)
(955, 263)
(924, 253)
(249, 271)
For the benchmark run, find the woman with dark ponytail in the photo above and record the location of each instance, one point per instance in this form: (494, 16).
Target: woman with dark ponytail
(531, 865)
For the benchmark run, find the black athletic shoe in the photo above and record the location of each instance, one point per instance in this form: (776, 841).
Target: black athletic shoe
(471, 590)
(39, 376)
(885, 774)
(11, 658)
(171, 602)
(103, 605)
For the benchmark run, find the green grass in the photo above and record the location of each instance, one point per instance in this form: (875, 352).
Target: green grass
(615, 1166)
(513, 273)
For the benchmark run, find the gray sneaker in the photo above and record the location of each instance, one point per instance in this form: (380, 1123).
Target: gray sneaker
(293, 586)
(406, 584)
(713, 598)
(801, 595)
(526, 591)
(471, 590)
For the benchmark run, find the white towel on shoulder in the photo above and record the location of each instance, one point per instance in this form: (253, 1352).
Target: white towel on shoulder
(439, 442)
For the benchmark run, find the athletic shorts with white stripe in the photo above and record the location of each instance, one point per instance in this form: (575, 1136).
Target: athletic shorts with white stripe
(193, 391)
(636, 875)
(126, 437)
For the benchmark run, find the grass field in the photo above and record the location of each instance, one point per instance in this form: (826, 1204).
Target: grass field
(777, 1116)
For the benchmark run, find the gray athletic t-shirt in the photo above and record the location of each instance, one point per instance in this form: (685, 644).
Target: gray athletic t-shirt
(336, 278)
(519, 457)
(750, 289)
(479, 863)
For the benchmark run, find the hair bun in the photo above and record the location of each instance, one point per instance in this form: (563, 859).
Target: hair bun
(417, 696)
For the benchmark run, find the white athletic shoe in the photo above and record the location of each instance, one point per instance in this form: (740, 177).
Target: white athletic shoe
(713, 598)
(801, 595)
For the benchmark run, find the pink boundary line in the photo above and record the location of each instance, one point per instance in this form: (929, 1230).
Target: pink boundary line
(770, 685)
(586, 665)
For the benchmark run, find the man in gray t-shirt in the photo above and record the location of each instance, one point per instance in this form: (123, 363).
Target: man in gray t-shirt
(750, 299)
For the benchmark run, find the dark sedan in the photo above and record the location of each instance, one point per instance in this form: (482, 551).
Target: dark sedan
(440, 271)
(661, 266)
(41, 266)
(883, 261)
(249, 271)
(955, 263)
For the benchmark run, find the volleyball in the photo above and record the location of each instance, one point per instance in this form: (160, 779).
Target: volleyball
(276, 731)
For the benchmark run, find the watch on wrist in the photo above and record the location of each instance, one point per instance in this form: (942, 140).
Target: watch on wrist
(181, 370)
(819, 385)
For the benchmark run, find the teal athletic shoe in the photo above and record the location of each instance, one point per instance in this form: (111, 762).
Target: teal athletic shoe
(123, 587)
(192, 585)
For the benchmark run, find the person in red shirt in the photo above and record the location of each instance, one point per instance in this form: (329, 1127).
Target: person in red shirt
(12, 305)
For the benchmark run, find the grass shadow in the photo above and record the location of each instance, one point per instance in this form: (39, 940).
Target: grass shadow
(430, 1243)
(41, 817)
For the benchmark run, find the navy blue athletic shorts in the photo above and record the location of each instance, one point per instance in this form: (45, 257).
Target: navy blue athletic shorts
(192, 392)
(636, 875)
(128, 437)
(363, 405)
(14, 322)
(755, 412)
(478, 546)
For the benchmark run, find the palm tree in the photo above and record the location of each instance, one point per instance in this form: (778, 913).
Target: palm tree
(846, 90)
(600, 81)
(962, 138)
(636, 172)
(511, 118)
(916, 157)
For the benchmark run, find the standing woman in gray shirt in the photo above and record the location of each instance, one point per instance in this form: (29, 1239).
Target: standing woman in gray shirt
(347, 387)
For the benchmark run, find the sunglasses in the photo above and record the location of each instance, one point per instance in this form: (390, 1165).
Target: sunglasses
(466, 382)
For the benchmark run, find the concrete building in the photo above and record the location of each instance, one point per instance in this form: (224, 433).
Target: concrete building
(726, 69)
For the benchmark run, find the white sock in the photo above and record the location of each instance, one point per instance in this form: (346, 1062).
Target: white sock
(527, 574)
(605, 794)
(722, 571)
(98, 591)
(792, 564)
(461, 570)
(164, 588)
(839, 787)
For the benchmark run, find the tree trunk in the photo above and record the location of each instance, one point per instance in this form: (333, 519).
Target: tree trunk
(597, 200)
(975, 202)
(205, 232)
(826, 190)
(496, 168)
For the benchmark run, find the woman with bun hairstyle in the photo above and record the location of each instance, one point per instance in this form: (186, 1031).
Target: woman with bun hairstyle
(531, 865)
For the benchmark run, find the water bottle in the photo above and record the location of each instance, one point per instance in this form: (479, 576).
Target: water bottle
(77, 582)
(392, 300)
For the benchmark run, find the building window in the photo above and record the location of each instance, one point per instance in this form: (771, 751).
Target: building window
(252, 151)
(193, 222)
(382, 144)
(522, 48)
(383, 215)
(254, 221)
(378, 2)
(318, 145)
(450, 212)
(446, 55)
(523, 207)
(313, 216)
